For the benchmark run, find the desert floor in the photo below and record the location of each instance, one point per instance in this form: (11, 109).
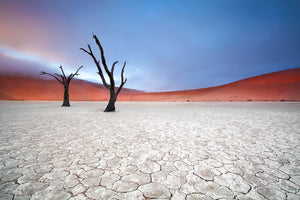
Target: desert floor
(246, 150)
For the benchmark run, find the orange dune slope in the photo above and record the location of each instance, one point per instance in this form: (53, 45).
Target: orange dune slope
(32, 88)
(277, 86)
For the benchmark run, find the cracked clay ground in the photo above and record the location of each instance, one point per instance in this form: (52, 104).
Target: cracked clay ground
(149, 151)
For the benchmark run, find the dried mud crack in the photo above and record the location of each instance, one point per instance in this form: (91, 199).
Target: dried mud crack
(150, 151)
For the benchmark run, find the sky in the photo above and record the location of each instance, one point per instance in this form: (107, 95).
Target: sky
(167, 44)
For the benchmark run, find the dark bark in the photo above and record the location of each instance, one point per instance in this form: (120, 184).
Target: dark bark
(111, 87)
(66, 96)
(111, 104)
(65, 81)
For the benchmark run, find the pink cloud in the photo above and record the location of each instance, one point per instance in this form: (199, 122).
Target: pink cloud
(31, 32)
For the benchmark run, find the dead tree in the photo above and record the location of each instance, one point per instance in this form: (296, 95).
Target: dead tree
(114, 92)
(63, 79)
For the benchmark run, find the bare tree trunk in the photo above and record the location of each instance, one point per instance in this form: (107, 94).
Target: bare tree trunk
(66, 96)
(65, 81)
(111, 87)
(111, 103)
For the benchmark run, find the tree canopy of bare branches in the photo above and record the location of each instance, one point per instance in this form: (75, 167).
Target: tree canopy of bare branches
(65, 81)
(114, 92)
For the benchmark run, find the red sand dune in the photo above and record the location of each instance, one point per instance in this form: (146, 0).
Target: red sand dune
(277, 86)
(32, 88)
(282, 85)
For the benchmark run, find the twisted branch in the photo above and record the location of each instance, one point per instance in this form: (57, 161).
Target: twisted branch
(64, 80)
(90, 52)
(109, 73)
(42, 73)
(122, 79)
(72, 75)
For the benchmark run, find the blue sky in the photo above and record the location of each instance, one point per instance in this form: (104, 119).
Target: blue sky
(168, 44)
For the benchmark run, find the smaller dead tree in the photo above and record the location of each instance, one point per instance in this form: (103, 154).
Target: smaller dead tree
(65, 81)
(111, 87)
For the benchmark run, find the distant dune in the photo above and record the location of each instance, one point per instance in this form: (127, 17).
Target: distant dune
(32, 88)
(277, 86)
